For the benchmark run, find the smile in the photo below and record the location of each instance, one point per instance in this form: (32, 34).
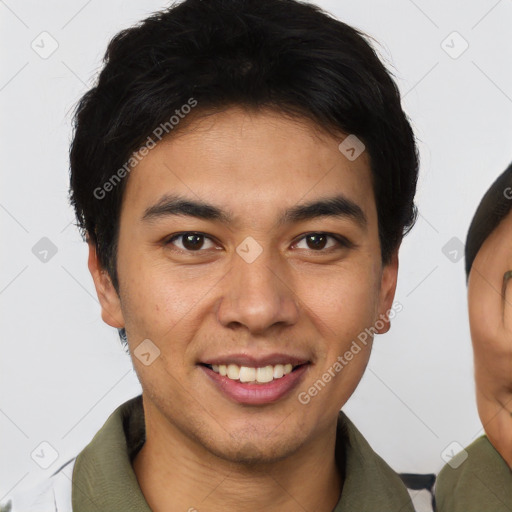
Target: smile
(250, 374)
(255, 385)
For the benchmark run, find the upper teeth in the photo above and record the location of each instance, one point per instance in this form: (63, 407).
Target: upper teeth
(249, 374)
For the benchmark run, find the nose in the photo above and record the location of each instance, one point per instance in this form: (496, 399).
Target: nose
(258, 295)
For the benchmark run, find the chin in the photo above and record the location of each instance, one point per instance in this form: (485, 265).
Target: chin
(254, 451)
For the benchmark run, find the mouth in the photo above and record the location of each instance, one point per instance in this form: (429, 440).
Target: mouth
(251, 374)
(255, 385)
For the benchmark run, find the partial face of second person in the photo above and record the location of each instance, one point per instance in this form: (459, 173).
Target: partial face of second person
(490, 316)
(197, 299)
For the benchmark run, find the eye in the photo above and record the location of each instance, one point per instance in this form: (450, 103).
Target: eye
(191, 241)
(318, 241)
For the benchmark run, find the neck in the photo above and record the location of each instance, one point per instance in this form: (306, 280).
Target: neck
(175, 473)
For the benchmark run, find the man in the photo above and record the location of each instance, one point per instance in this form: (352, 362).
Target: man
(480, 477)
(243, 173)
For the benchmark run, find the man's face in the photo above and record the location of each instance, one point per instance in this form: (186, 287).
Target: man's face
(255, 291)
(490, 318)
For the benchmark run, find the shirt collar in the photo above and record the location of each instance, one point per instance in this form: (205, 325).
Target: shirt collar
(104, 479)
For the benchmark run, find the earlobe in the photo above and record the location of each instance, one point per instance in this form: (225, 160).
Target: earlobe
(387, 293)
(110, 304)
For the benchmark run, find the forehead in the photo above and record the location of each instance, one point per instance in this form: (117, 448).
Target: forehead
(250, 162)
(499, 243)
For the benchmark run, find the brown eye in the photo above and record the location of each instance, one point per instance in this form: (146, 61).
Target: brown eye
(192, 242)
(318, 242)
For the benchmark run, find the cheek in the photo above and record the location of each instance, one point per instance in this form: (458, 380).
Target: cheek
(156, 300)
(344, 305)
(341, 310)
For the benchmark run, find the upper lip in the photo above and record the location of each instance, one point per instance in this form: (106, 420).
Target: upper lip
(256, 361)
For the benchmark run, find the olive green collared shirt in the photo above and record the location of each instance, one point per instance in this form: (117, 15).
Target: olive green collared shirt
(480, 482)
(104, 480)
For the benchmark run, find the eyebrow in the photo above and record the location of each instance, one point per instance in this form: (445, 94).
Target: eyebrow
(337, 206)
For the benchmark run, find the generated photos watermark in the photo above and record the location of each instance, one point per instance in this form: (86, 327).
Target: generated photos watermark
(158, 133)
(363, 337)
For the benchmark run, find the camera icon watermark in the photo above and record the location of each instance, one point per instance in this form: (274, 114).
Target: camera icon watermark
(453, 249)
(44, 455)
(352, 147)
(454, 454)
(146, 352)
(454, 45)
(249, 250)
(45, 45)
(44, 250)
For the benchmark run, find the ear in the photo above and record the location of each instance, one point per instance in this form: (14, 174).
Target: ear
(109, 300)
(387, 291)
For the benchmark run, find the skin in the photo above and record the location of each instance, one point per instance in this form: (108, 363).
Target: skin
(490, 316)
(203, 450)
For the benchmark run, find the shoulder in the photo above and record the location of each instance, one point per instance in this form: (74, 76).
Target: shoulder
(364, 470)
(475, 477)
(51, 495)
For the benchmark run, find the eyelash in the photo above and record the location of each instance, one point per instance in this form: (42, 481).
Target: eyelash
(341, 241)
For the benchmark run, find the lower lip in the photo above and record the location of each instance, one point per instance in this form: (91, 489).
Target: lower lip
(255, 393)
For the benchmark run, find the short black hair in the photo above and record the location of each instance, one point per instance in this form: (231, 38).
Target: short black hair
(286, 55)
(493, 208)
